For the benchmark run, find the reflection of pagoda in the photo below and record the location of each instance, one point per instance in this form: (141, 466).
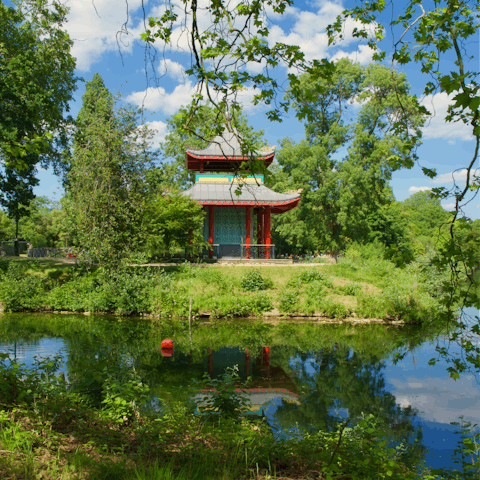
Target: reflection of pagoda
(268, 383)
(229, 223)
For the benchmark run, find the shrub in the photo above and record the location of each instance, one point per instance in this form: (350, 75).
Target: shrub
(72, 296)
(168, 300)
(240, 305)
(254, 282)
(316, 289)
(19, 291)
(369, 251)
(402, 305)
(289, 302)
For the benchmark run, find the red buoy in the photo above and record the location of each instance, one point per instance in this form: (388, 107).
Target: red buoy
(167, 343)
(167, 352)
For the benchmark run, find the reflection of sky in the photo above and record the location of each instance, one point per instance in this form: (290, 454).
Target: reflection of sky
(42, 348)
(428, 388)
(439, 399)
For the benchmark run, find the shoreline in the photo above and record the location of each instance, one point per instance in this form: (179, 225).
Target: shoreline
(268, 317)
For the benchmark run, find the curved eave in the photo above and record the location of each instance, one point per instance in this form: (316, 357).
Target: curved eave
(221, 162)
(277, 207)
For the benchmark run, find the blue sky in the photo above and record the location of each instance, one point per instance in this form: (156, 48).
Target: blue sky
(121, 63)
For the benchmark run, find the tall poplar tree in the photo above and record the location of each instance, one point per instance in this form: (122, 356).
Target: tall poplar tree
(106, 179)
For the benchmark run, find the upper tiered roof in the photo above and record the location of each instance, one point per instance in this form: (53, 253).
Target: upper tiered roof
(224, 154)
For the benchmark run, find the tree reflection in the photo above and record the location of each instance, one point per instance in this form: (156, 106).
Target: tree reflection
(339, 382)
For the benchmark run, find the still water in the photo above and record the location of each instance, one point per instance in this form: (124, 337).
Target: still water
(303, 376)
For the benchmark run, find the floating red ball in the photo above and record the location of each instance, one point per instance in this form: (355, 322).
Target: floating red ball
(166, 352)
(167, 343)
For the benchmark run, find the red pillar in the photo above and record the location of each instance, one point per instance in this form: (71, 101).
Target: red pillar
(210, 230)
(268, 239)
(248, 226)
(266, 360)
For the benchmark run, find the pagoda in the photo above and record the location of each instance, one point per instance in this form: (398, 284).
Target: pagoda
(236, 225)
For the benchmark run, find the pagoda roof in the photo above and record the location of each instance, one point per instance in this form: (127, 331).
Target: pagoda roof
(224, 153)
(251, 196)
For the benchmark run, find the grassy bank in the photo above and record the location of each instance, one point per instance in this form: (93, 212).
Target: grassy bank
(352, 288)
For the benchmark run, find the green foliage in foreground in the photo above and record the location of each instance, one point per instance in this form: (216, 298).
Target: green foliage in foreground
(126, 438)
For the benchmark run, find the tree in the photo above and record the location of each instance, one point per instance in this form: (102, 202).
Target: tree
(17, 188)
(106, 179)
(437, 38)
(44, 226)
(427, 220)
(172, 220)
(36, 82)
(343, 199)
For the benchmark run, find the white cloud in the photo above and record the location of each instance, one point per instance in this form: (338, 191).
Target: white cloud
(437, 127)
(440, 400)
(459, 176)
(173, 69)
(363, 55)
(448, 206)
(413, 190)
(94, 28)
(156, 98)
(309, 33)
(161, 130)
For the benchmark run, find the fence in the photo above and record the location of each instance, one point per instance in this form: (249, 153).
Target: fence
(8, 247)
(48, 252)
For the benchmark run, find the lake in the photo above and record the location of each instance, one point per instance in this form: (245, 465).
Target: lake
(303, 376)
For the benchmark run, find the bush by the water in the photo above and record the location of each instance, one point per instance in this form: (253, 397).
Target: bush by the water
(240, 305)
(289, 302)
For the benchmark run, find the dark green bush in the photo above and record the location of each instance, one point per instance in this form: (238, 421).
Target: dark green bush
(254, 282)
(127, 292)
(72, 296)
(19, 291)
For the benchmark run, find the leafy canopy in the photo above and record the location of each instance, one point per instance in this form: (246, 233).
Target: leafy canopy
(36, 81)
